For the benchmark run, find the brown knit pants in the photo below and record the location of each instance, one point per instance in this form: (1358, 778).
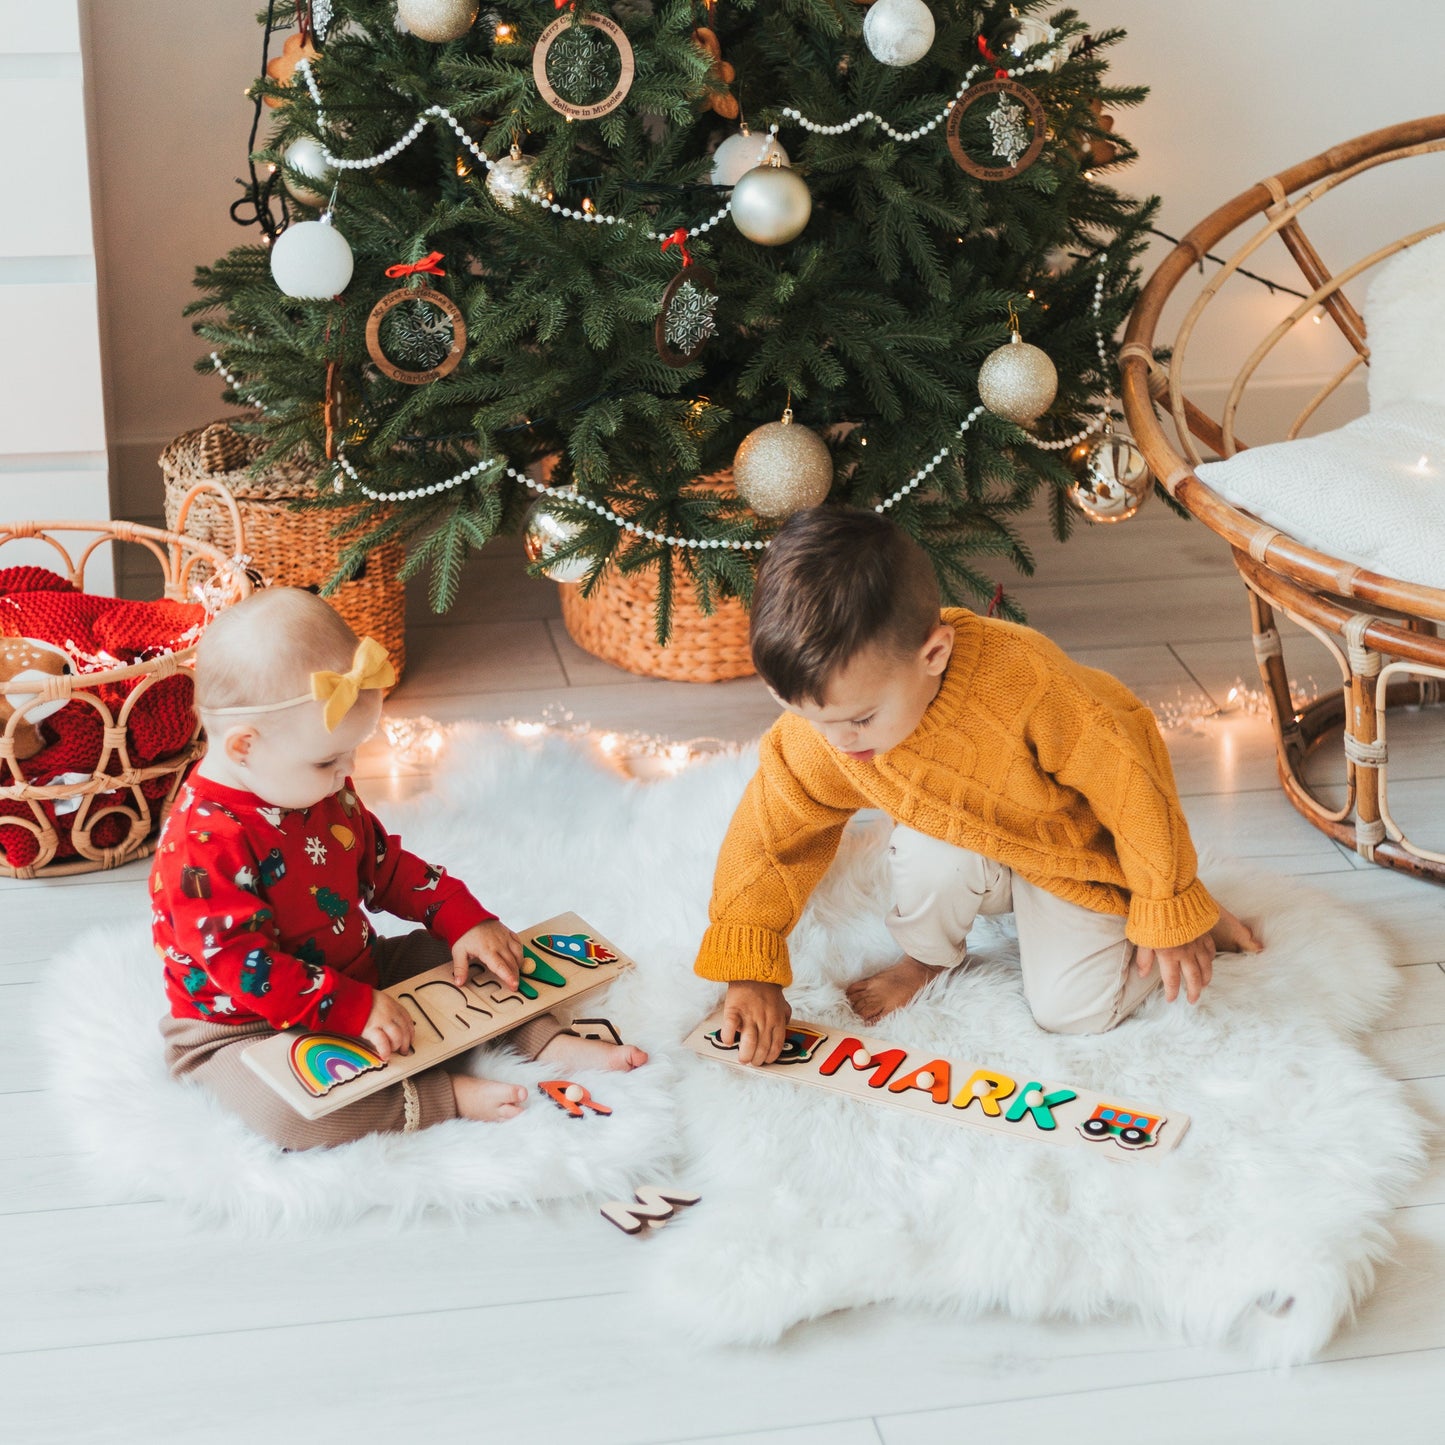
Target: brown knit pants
(211, 1054)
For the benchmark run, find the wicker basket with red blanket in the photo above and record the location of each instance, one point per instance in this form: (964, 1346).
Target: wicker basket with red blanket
(96, 724)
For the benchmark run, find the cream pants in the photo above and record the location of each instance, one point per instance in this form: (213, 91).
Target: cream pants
(1078, 968)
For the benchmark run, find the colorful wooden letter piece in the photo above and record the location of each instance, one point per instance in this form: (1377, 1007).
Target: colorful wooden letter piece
(573, 1098)
(536, 969)
(798, 1044)
(656, 1204)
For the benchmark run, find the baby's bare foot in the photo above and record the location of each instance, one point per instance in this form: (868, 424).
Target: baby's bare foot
(487, 1099)
(592, 1054)
(1234, 935)
(880, 993)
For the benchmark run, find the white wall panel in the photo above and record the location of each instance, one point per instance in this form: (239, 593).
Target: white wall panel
(50, 396)
(46, 206)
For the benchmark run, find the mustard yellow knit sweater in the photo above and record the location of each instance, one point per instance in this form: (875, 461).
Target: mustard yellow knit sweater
(1055, 769)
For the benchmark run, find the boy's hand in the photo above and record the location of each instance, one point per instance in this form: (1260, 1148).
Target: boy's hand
(756, 1015)
(388, 1026)
(494, 946)
(1193, 963)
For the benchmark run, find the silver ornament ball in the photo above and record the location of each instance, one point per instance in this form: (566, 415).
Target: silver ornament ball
(1113, 479)
(311, 260)
(1018, 382)
(507, 178)
(437, 20)
(740, 153)
(306, 157)
(781, 468)
(898, 32)
(545, 532)
(771, 205)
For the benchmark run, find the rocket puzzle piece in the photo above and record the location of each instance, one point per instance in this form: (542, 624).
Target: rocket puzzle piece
(577, 947)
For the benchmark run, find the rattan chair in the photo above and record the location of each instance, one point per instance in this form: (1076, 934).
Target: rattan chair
(1383, 633)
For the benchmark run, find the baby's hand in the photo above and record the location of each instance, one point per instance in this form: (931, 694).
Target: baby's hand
(494, 946)
(756, 1016)
(388, 1026)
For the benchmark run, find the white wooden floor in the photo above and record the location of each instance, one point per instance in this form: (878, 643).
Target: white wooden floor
(121, 1322)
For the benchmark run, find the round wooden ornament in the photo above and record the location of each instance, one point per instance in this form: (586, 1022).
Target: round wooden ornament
(686, 319)
(428, 296)
(1015, 102)
(627, 66)
(333, 409)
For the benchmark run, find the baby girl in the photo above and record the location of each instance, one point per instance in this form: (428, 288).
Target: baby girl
(263, 868)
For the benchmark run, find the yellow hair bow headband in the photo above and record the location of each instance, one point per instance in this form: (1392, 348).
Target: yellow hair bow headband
(370, 668)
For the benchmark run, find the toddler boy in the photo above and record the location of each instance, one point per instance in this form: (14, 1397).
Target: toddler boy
(1019, 781)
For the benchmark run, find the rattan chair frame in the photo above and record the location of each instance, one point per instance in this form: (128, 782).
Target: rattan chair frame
(1382, 632)
(224, 581)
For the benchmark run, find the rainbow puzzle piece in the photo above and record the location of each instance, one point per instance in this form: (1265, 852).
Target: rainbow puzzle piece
(321, 1061)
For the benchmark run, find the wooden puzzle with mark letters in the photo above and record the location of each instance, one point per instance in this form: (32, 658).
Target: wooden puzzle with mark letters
(317, 1072)
(959, 1093)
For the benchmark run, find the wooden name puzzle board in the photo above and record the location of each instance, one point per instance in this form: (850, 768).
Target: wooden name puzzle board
(317, 1072)
(960, 1093)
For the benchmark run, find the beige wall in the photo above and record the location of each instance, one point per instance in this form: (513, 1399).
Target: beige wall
(1241, 88)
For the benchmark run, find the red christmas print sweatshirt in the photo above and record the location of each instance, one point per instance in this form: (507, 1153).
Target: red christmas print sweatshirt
(257, 909)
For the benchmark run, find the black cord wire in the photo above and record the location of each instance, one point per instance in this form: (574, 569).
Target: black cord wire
(254, 206)
(1271, 286)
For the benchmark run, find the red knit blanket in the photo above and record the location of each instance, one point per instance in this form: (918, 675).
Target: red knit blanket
(97, 634)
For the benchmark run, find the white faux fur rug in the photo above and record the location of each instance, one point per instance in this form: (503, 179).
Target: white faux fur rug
(1262, 1228)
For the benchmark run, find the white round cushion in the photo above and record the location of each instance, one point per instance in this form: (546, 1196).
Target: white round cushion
(1405, 323)
(1360, 493)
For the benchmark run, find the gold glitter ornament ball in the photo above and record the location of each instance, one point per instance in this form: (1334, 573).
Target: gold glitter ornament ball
(545, 531)
(1113, 479)
(1018, 382)
(781, 468)
(437, 20)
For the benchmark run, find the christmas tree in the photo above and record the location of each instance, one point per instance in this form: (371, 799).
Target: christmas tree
(614, 245)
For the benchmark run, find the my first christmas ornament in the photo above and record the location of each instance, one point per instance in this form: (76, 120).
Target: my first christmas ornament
(416, 334)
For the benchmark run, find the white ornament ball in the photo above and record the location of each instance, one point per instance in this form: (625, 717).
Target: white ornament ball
(739, 153)
(771, 205)
(437, 20)
(507, 178)
(782, 468)
(544, 533)
(1114, 480)
(311, 260)
(898, 32)
(1018, 382)
(306, 156)
(1033, 31)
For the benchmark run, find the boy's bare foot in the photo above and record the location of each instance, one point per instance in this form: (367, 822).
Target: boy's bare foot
(487, 1099)
(592, 1054)
(1234, 935)
(880, 993)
